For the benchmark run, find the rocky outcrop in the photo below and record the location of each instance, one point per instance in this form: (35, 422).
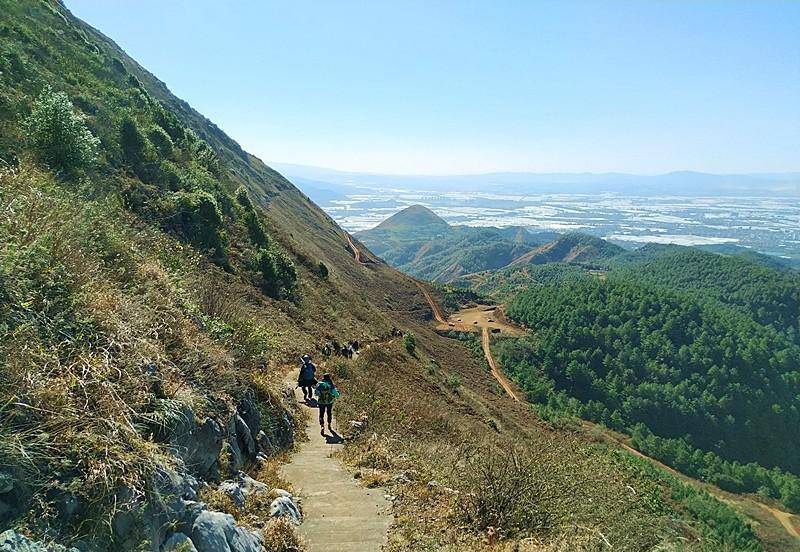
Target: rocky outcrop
(171, 516)
(11, 541)
(241, 487)
(217, 532)
(285, 507)
(198, 444)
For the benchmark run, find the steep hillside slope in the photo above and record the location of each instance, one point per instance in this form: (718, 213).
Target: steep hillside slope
(153, 284)
(155, 287)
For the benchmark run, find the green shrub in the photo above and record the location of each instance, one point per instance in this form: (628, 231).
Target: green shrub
(254, 227)
(161, 141)
(133, 142)
(169, 176)
(59, 136)
(410, 342)
(322, 270)
(277, 270)
(453, 382)
(199, 220)
(244, 198)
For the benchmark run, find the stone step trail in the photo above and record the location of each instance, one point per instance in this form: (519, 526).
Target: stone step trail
(339, 514)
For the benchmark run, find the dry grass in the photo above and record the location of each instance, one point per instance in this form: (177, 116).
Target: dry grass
(101, 349)
(458, 465)
(281, 536)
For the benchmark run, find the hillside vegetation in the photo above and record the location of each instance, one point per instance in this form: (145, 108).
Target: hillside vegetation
(571, 248)
(151, 283)
(769, 295)
(157, 283)
(643, 357)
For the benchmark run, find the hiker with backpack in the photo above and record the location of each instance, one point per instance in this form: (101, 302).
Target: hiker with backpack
(306, 380)
(326, 394)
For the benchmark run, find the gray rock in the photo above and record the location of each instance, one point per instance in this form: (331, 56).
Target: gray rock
(171, 505)
(178, 543)
(237, 457)
(285, 507)
(198, 445)
(241, 487)
(246, 440)
(242, 540)
(250, 485)
(234, 491)
(217, 532)
(249, 412)
(11, 541)
(265, 444)
(208, 532)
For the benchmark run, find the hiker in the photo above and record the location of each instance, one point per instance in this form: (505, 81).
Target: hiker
(326, 394)
(355, 345)
(306, 379)
(336, 348)
(326, 350)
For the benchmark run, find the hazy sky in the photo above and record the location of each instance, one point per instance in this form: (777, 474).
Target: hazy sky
(457, 87)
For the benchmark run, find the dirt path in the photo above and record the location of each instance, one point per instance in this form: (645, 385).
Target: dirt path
(339, 514)
(437, 311)
(787, 520)
(356, 251)
(498, 375)
(473, 320)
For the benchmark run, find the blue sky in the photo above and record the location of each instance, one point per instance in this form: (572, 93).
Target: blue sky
(460, 87)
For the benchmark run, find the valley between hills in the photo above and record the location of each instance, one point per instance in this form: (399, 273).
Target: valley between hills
(159, 284)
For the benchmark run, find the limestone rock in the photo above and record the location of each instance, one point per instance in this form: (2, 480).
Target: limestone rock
(198, 445)
(178, 543)
(11, 541)
(241, 487)
(217, 532)
(285, 507)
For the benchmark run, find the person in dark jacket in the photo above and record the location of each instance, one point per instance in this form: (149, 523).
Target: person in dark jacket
(326, 395)
(306, 380)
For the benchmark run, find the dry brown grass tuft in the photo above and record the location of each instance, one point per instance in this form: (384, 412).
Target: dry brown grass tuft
(281, 536)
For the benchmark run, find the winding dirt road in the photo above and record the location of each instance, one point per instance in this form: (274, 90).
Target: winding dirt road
(473, 320)
(483, 318)
(356, 250)
(437, 311)
(498, 375)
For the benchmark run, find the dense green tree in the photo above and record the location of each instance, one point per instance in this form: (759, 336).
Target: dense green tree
(623, 353)
(59, 136)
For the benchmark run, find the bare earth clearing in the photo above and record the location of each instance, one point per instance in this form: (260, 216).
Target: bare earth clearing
(484, 319)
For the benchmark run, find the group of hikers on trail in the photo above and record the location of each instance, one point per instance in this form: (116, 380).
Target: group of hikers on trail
(347, 350)
(325, 391)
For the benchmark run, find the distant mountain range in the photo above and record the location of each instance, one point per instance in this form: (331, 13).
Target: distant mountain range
(316, 182)
(419, 242)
